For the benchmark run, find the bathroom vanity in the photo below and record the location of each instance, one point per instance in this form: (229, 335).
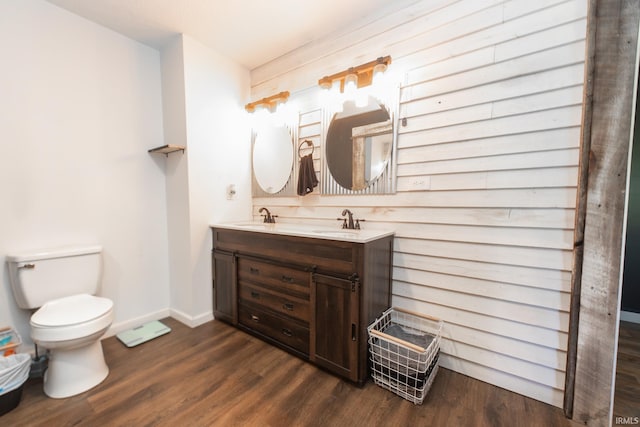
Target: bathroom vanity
(312, 292)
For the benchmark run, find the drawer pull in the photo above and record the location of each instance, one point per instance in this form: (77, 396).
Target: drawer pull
(254, 270)
(255, 294)
(255, 318)
(287, 306)
(287, 332)
(353, 332)
(287, 279)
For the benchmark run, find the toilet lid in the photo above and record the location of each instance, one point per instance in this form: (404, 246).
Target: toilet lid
(71, 310)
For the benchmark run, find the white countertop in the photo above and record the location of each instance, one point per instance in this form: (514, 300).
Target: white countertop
(304, 230)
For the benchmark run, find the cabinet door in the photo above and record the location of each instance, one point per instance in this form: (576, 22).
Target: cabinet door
(225, 300)
(334, 331)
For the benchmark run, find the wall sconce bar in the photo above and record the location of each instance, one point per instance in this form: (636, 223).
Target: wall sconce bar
(363, 74)
(270, 102)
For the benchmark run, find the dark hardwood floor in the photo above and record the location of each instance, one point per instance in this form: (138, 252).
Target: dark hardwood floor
(217, 375)
(626, 402)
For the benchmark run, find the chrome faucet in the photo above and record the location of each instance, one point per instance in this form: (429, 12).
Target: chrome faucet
(348, 222)
(268, 218)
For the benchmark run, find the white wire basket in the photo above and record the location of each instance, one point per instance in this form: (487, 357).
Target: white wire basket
(403, 349)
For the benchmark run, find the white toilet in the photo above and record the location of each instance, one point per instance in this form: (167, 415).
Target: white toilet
(70, 320)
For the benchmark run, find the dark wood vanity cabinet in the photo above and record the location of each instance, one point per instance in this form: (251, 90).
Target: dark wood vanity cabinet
(337, 321)
(312, 297)
(224, 292)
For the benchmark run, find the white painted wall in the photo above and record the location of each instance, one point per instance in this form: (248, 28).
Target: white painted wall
(79, 107)
(207, 116)
(177, 179)
(487, 173)
(219, 151)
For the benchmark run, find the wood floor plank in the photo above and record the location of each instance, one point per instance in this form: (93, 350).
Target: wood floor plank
(627, 393)
(216, 375)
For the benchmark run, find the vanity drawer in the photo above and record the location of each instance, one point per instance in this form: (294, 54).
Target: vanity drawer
(287, 305)
(331, 256)
(277, 277)
(280, 329)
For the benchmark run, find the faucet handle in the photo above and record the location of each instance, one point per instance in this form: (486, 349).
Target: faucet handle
(344, 222)
(358, 223)
(273, 219)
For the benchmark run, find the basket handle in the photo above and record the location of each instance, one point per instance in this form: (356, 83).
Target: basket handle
(397, 341)
(424, 316)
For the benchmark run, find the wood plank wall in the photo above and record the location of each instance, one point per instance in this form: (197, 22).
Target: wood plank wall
(487, 173)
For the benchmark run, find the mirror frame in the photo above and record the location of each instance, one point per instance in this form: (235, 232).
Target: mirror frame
(385, 183)
(289, 188)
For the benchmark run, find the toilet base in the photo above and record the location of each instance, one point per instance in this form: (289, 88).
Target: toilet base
(74, 371)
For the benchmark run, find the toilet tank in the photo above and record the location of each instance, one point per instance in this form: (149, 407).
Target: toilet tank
(43, 275)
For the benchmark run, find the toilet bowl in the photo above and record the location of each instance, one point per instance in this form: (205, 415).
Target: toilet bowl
(70, 328)
(70, 319)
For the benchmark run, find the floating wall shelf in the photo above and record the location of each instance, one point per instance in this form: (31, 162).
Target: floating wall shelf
(166, 149)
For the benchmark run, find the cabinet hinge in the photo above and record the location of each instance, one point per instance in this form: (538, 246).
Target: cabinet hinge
(355, 280)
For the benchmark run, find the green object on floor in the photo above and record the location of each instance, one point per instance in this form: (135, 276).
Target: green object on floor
(143, 333)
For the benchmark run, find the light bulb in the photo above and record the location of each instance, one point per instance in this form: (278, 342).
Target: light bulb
(350, 86)
(335, 97)
(378, 73)
(259, 118)
(325, 96)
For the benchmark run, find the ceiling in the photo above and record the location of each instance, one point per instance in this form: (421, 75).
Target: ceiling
(251, 32)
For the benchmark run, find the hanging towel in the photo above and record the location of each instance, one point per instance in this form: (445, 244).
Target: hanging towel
(307, 176)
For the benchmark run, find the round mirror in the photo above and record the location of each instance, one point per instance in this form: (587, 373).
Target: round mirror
(272, 158)
(359, 143)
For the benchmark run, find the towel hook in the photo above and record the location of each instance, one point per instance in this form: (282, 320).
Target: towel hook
(309, 143)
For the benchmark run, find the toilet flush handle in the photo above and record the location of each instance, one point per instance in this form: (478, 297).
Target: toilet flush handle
(29, 266)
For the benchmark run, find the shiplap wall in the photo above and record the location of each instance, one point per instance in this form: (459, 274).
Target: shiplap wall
(487, 173)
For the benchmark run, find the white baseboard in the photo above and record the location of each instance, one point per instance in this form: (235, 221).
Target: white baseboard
(191, 321)
(629, 316)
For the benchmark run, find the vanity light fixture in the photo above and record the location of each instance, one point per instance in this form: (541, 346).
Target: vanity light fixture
(360, 76)
(269, 103)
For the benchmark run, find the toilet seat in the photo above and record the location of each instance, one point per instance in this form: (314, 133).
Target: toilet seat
(72, 310)
(71, 318)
